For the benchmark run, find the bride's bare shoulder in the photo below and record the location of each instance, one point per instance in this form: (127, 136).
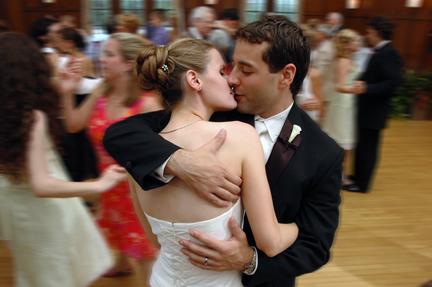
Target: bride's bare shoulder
(238, 131)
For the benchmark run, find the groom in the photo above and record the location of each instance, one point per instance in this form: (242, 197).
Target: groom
(271, 59)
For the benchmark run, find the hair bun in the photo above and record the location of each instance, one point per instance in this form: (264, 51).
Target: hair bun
(153, 67)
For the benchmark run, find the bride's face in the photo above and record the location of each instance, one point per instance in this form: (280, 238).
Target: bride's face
(215, 89)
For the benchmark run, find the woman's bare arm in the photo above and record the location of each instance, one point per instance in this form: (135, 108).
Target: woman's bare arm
(270, 236)
(341, 73)
(76, 118)
(43, 185)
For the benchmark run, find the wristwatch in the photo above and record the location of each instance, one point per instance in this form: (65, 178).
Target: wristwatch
(250, 267)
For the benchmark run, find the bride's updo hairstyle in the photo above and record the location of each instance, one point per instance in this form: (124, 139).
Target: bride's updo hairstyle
(162, 68)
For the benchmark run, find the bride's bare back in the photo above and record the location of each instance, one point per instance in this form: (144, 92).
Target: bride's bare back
(176, 202)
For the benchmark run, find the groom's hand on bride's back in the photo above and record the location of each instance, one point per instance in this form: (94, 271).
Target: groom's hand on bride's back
(202, 171)
(231, 254)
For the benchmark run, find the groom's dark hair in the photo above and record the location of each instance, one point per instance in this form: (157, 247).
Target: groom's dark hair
(286, 44)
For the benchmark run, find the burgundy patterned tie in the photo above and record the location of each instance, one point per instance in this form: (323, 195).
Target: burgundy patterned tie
(282, 152)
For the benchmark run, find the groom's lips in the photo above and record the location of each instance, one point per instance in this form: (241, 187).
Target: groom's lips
(238, 97)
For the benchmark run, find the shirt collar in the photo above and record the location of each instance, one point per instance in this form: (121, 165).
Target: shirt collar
(275, 123)
(381, 44)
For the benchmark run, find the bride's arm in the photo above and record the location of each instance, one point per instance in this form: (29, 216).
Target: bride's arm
(270, 236)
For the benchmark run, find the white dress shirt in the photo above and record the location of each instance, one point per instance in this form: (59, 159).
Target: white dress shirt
(381, 44)
(269, 129)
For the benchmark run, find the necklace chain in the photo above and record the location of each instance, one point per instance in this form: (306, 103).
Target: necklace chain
(179, 128)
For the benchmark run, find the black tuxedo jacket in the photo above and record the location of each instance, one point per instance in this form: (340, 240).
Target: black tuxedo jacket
(305, 191)
(383, 74)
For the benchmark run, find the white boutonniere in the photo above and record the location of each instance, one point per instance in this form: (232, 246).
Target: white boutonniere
(296, 130)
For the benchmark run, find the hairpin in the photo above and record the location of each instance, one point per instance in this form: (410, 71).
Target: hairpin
(165, 68)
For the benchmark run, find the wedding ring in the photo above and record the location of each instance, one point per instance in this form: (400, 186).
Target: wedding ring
(205, 262)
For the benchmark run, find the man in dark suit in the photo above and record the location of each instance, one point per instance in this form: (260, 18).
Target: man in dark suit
(271, 59)
(376, 87)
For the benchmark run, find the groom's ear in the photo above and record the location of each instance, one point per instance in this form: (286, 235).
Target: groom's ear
(287, 75)
(193, 80)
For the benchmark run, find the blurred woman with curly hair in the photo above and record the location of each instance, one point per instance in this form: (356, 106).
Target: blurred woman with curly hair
(51, 236)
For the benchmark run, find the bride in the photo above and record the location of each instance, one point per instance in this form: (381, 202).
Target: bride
(189, 74)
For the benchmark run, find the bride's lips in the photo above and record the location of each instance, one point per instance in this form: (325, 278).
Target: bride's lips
(237, 97)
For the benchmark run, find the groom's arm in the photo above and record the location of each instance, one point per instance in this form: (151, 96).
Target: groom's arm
(135, 145)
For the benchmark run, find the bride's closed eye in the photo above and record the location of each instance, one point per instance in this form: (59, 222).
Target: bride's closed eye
(227, 69)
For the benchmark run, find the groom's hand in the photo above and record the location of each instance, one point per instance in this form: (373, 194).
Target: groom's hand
(202, 171)
(231, 254)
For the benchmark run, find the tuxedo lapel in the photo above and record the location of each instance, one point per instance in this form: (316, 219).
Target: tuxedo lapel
(283, 150)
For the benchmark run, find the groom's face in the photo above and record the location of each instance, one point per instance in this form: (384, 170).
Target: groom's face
(255, 86)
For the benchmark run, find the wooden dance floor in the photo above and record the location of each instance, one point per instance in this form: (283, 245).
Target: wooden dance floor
(384, 238)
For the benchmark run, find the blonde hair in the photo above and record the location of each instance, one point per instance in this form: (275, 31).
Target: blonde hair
(129, 22)
(162, 68)
(341, 42)
(130, 46)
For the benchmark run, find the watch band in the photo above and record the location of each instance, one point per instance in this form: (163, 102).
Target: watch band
(250, 267)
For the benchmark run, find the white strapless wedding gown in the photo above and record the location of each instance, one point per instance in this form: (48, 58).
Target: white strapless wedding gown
(172, 268)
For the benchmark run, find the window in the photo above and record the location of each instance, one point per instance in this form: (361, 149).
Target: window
(100, 12)
(288, 8)
(253, 10)
(168, 6)
(136, 7)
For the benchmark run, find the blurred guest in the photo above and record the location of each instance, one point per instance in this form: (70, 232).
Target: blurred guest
(78, 154)
(335, 22)
(45, 32)
(310, 97)
(223, 36)
(111, 25)
(68, 21)
(313, 23)
(321, 58)
(340, 118)
(362, 55)
(117, 98)
(375, 88)
(51, 236)
(71, 43)
(128, 23)
(156, 32)
(201, 20)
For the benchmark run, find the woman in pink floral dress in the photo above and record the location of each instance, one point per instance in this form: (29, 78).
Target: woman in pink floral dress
(117, 98)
